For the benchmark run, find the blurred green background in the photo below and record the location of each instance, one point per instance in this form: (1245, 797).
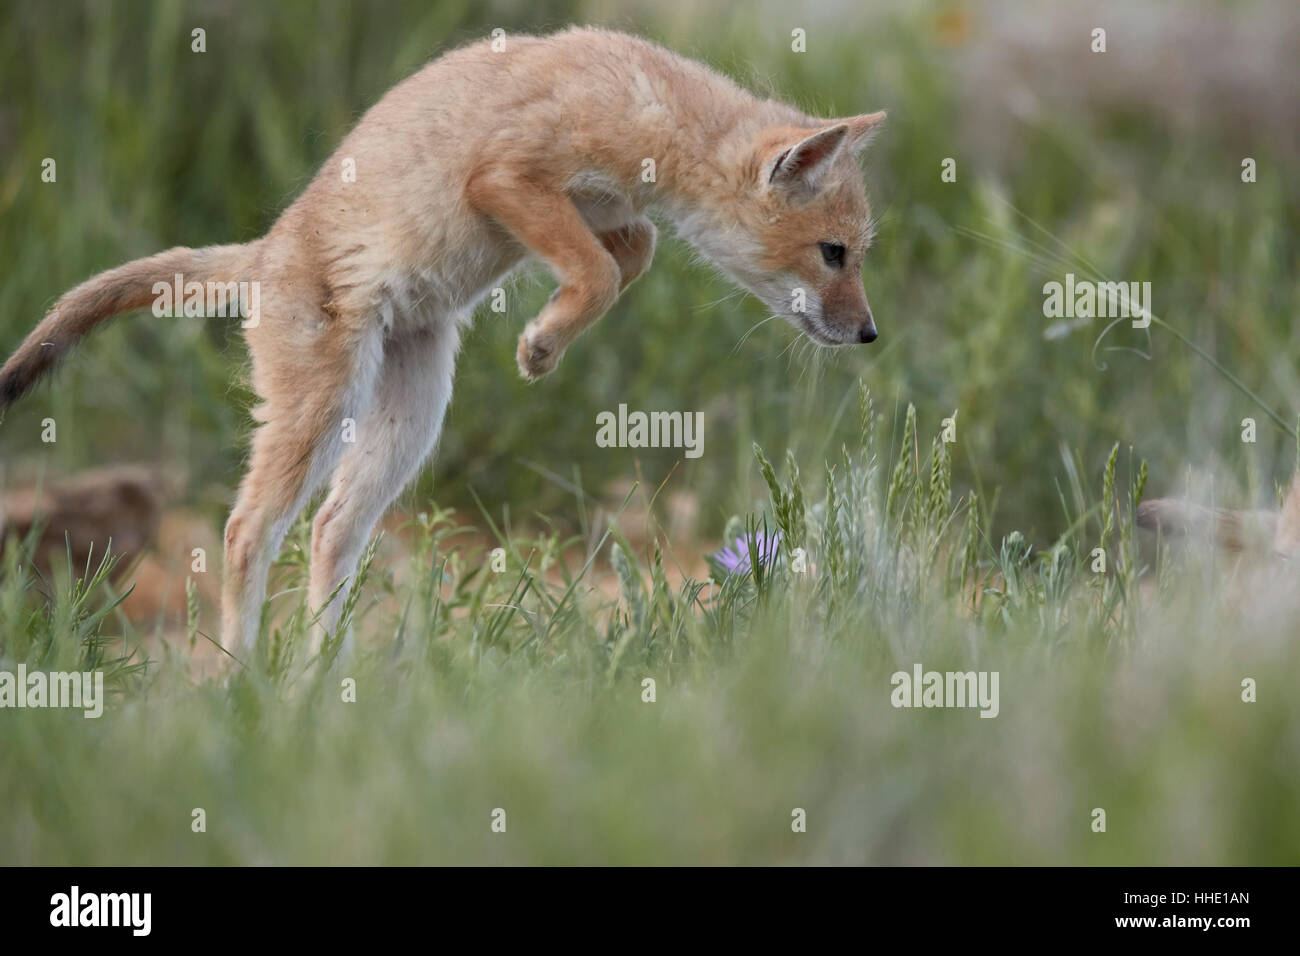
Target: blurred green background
(523, 690)
(1136, 172)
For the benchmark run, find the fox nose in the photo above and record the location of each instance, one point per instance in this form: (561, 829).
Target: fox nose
(867, 331)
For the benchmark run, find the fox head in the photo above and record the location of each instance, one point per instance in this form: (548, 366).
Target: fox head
(796, 230)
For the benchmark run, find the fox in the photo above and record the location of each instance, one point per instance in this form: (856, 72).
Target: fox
(1275, 534)
(563, 149)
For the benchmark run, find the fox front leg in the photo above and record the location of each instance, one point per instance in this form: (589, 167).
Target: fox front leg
(549, 225)
(633, 248)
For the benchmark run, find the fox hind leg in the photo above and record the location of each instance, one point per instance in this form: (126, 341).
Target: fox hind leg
(309, 395)
(393, 439)
(288, 462)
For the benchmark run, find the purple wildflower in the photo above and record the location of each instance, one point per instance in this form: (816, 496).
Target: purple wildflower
(736, 560)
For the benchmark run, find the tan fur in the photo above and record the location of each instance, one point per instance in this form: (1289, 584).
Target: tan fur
(481, 159)
(118, 290)
(1231, 530)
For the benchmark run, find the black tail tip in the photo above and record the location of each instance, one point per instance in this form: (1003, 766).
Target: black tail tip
(12, 387)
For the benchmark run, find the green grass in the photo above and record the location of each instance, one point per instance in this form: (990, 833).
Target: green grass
(519, 691)
(523, 690)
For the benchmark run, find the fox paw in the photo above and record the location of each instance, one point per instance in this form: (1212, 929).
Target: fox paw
(538, 354)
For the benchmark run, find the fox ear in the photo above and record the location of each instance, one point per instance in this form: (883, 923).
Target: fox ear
(862, 130)
(806, 161)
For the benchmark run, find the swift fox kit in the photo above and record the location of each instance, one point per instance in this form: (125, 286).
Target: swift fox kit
(538, 147)
(1277, 532)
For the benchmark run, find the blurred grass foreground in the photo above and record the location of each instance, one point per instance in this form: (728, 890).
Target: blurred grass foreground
(598, 690)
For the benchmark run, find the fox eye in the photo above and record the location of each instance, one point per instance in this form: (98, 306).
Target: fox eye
(833, 253)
